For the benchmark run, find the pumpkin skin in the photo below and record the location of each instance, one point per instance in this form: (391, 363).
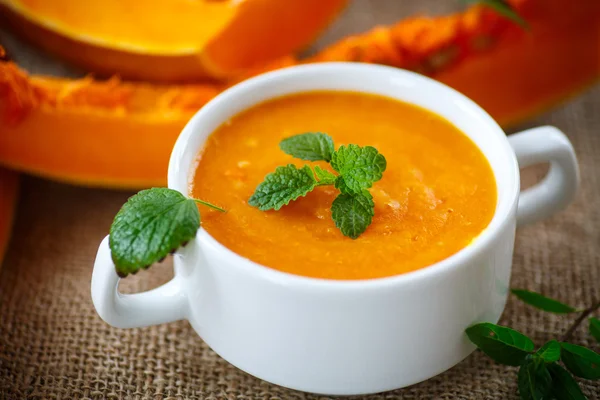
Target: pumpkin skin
(169, 41)
(120, 134)
(9, 190)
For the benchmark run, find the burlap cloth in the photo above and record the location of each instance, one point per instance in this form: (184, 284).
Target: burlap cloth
(54, 346)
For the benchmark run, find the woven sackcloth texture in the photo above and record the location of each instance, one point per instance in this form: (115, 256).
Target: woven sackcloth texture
(54, 346)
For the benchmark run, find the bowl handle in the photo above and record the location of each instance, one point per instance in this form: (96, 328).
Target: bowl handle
(165, 303)
(558, 188)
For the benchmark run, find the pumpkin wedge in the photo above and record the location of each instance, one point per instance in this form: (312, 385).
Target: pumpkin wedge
(526, 73)
(512, 73)
(120, 134)
(9, 190)
(99, 133)
(174, 40)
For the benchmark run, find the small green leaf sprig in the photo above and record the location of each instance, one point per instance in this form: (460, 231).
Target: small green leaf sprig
(150, 225)
(540, 375)
(358, 168)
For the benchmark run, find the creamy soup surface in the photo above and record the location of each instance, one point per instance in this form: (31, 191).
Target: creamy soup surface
(437, 194)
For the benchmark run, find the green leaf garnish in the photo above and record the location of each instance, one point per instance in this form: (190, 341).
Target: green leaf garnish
(503, 345)
(595, 328)
(581, 361)
(550, 352)
(325, 177)
(359, 167)
(564, 387)
(542, 302)
(510, 347)
(309, 146)
(150, 225)
(282, 186)
(340, 184)
(209, 205)
(504, 8)
(534, 380)
(353, 213)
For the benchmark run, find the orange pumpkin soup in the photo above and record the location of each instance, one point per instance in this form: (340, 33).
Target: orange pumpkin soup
(437, 194)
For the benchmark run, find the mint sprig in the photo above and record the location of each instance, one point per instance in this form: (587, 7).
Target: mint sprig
(594, 328)
(502, 344)
(534, 379)
(540, 375)
(564, 387)
(309, 146)
(358, 168)
(549, 352)
(542, 302)
(150, 225)
(325, 177)
(581, 361)
(353, 213)
(282, 186)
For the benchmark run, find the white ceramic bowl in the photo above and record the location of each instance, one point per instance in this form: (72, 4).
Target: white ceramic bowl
(347, 337)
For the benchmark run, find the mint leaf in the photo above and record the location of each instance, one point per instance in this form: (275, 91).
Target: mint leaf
(595, 328)
(542, 302)
(340, 184)
(502, 344)
(149, 226)
(309, 146)
(353, 213)
(581, 361)
(564, 387)
(209, 205)
(550, 352)
(282, 186)
(504, 8)
(534, 380)
(325, 177)
(359, 167)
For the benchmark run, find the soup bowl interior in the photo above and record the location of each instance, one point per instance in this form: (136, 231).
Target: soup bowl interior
(398, 84)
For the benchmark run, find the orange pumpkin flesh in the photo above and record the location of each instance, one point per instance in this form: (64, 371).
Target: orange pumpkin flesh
(525, 75)
(110, 133)
(175, 40)
(278, 28)
(9, 190)
(512, 73)
(118, 134)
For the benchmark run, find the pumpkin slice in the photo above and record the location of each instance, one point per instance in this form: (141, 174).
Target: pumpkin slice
(100, 133)
(174, 40)
(119, 134)
(512, 73)
(9, 190)
(526, 73)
